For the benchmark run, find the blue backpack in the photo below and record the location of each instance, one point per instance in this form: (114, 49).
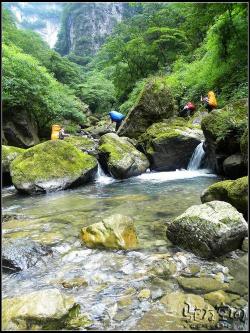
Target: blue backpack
(116, 116)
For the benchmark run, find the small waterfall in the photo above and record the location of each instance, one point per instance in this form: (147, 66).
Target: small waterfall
(196, 158)
(101, 177)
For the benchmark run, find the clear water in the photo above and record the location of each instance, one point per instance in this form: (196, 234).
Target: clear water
(152, 199)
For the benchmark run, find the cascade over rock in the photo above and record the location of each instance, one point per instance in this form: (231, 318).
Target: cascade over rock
(169, 145)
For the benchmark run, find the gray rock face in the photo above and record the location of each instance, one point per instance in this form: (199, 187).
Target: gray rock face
(234, 166)
(209, 230)
(120, 157)
(21, 254)
(20, 130)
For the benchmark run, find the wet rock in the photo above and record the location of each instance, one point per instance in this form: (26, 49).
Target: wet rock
(98, 130)
(120, 158)
(163, 268)
(76, 282)
(21, 254)
(115, 232)
(209, 230)
(238, 269)
(234, 166)
(9, 153)
(169, 145)
(144, 294)
(233, 191)
(201, 284)
(122, 314)
(178, 314)
(220, 297)
(52, 165)
(156, 102)
(44, 309)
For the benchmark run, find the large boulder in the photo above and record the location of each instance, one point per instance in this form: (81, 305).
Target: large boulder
(21, 254)
(233, 191)
(169, 145)
(155, 103)
(223, 130)
(9, 153)
(114, 232)
(45, 309)
(52, 165)
(20, 129)
(84, 143)
(120, 158)
(179, 311)
(234, 166)
(209, 230)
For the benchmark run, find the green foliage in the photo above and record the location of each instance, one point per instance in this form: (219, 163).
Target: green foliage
(97, 92)
(133, 97)
(28, 86)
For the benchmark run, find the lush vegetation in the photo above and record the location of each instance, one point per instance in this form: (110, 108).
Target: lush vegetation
(37, 79)
(193, 47)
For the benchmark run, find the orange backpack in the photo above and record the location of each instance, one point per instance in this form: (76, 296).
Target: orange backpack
(211, 99)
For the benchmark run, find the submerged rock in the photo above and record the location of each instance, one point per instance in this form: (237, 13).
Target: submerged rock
(180, 312)
(169, 145)
(120, 157)
(209, 230)
(114, 232)
(233, 191)
(155, 102)
(52, 165)
(44, 309)
(20, 254)
(9, 153)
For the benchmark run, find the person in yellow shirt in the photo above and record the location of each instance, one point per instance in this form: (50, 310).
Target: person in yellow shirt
(209, 101)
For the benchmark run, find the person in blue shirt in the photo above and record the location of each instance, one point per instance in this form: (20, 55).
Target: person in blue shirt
(116, 117)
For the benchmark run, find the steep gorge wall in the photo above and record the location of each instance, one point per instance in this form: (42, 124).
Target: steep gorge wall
(85, 26)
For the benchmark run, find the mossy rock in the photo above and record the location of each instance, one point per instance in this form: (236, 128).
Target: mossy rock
(220, 297)
(201, 284)
(233, 191)
(155, 102)
(170, 144)
(9, 153)
(45, 309)
(83, 143)
(52, 165)
(114, 232)
(223, 130)
(120, 158)
(209, 230)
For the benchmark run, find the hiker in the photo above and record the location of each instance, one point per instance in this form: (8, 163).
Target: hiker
(116, 117)
(188, 110)
(62, 134)
(209, 101)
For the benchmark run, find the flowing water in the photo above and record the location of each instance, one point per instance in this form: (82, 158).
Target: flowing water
(196, 158)
(152, 199)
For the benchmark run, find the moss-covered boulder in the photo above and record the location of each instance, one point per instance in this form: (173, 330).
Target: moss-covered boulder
(114, 232)
(83, 143)
(9, 153)
(41, 310)
(233, 191)
(120, 158)
(155, 103)
(223, 130)
(169, 145)
(209, 230)
(180, 312)
(52, 165)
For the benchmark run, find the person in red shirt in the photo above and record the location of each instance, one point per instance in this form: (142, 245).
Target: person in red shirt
(188, 110)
